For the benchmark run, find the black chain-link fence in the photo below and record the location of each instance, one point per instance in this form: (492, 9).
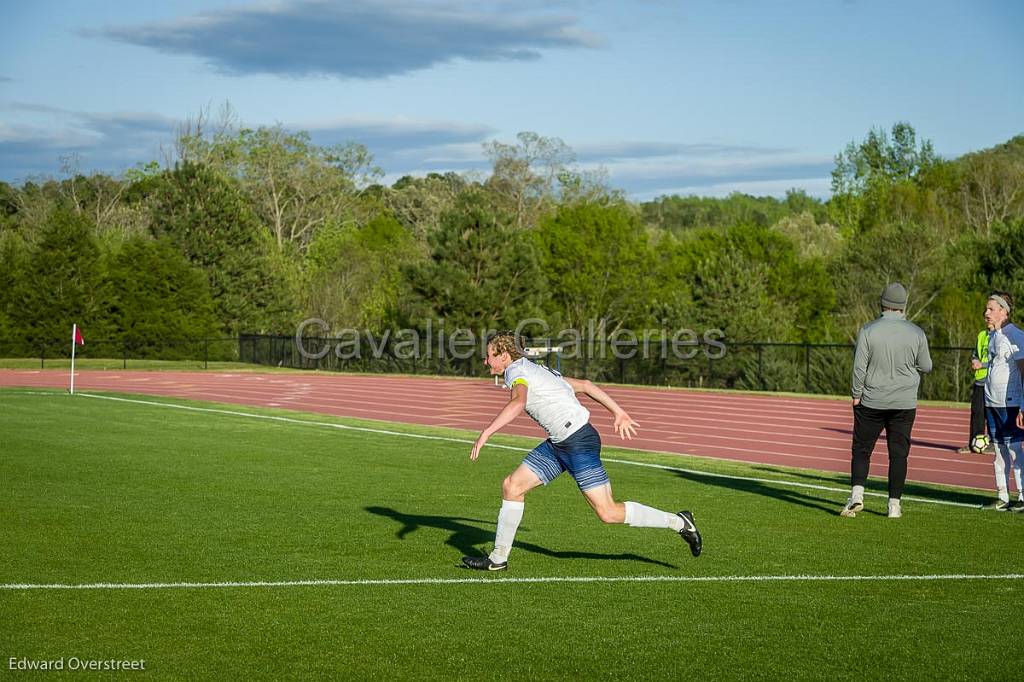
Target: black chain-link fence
(200, 351)
(790, 367)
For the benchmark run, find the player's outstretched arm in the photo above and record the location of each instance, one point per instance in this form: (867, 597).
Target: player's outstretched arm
(624, 425)
(513, 408)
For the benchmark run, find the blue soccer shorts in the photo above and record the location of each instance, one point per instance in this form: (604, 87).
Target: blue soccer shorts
(579, 454)
(1002, 424)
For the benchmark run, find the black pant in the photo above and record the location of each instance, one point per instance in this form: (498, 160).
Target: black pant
(977, 411)
(867, 426)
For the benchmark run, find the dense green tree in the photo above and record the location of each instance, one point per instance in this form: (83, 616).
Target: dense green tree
(865, 173)
(1000, 261)
(992, 185)
(881, 157)
(153, 300)
(911, 253)
(57, 284)
(732, 293)
(12, 258)
(9, 205)
(482, 272)
(752, 283)
(677, 213)
(354, 273)
(798, 202)
(597, 261)
(672, 304)
(207, 217)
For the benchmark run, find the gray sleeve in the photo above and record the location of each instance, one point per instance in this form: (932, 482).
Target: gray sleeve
(924, 358)
(860, 365)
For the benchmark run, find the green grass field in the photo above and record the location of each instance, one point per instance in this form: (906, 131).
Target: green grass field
(104, 491)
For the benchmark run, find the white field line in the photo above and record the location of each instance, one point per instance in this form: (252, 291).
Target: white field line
(291, 420)
(385, 432)
(496, 580)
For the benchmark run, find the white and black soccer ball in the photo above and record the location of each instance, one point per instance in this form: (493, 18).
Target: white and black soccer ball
(979, 443)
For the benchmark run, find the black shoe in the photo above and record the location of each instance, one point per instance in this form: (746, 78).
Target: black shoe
(690, 534)
(483, 563)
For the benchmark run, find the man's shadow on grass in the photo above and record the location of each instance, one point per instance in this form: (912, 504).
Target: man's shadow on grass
(466, 535)
(809, 498)
(881, 486)
(795, 496)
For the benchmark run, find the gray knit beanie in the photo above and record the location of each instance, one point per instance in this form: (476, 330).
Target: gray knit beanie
(894, 296)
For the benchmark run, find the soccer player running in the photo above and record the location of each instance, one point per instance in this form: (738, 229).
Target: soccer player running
(1003, 397)
(572, 445)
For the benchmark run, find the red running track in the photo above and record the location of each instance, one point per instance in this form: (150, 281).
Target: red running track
(763, 429)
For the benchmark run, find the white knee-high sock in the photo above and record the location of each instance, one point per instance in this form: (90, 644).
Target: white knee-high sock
(509, 516)
(1002, 464)
(1017, 456)
(642, 516)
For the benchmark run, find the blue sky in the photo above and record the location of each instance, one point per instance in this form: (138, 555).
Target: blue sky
(667, 97)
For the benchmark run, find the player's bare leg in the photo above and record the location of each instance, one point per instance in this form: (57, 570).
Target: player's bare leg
(513, 496)
(641, 516)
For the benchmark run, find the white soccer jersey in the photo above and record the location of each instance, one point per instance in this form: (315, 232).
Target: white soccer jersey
(1003, 382)
(550, 400)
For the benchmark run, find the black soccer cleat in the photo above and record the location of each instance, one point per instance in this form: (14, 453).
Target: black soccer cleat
(690, 534)
(483, 563)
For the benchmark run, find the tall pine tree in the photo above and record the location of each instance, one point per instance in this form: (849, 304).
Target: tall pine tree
(206, 216)
(57, 285)
(155, 301)
(482, 273)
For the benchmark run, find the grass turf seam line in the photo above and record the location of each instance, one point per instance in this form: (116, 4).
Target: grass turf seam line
(385, 432)
(543, 579)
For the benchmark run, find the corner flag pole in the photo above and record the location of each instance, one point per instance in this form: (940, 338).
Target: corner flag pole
(76, 339)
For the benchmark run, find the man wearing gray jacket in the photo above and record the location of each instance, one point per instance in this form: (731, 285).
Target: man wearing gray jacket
(891, 354)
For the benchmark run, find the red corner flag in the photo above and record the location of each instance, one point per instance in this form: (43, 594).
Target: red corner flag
(78, 336)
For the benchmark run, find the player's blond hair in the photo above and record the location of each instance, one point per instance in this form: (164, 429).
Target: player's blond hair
(506, 342)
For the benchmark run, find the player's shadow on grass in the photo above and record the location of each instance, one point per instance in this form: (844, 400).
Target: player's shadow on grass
(880, 486)
(792, 496)
(466, 535)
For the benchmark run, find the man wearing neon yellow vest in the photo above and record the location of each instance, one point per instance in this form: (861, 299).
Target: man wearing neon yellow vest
(977, 437)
